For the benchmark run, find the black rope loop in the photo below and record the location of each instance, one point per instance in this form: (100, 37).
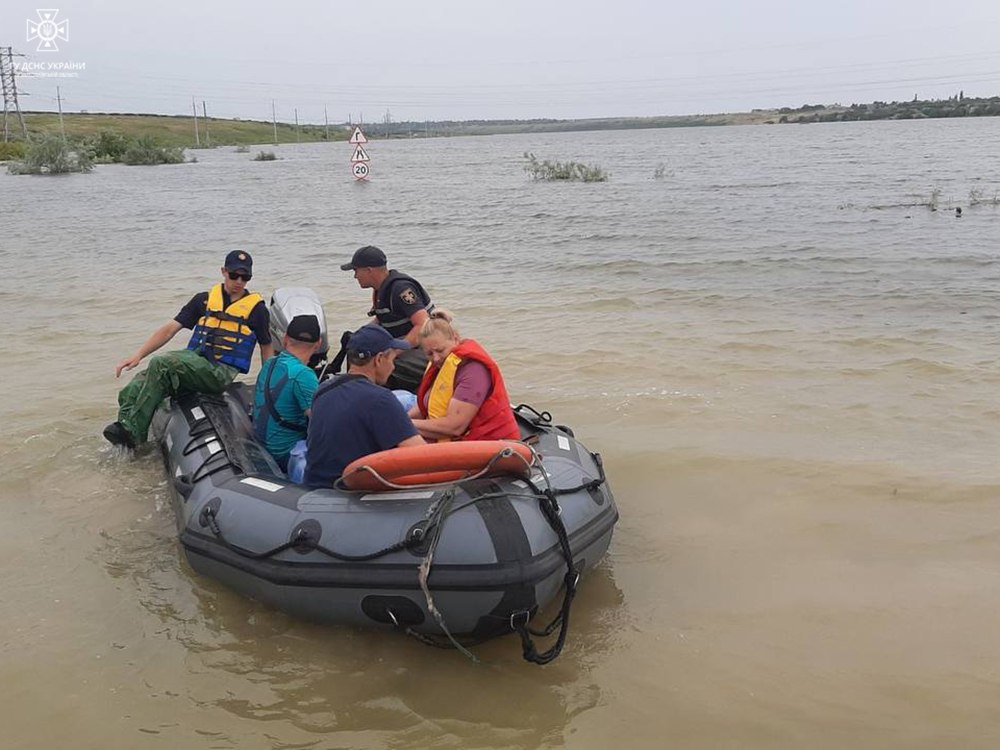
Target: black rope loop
(550, 509)
(301, 538)
(541, 417)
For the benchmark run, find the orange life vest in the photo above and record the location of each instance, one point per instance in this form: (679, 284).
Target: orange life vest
(495, 419)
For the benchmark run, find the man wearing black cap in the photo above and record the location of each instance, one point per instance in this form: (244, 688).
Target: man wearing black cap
(399, 304)
(285, 389)
(353, 416)
(227, 323)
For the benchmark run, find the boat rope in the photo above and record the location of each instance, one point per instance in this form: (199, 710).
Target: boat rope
(424, 572)
(304, 543)
(549, 506)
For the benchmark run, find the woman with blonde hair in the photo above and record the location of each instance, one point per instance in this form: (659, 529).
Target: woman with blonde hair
(462, 395)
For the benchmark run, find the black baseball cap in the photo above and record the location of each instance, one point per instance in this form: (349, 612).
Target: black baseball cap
(304, 328)
(239, 260)
(368, 256)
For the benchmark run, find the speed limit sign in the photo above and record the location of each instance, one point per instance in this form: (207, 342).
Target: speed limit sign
(360, 169)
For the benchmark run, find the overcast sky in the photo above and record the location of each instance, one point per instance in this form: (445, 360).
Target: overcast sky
(444, 59)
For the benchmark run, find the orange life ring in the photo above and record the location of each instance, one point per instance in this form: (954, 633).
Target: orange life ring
(437, 463)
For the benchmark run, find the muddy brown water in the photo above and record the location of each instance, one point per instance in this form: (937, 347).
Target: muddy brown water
(792, 378)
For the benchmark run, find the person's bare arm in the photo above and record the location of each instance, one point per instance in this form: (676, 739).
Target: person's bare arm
(415, 440)
(417, 319)
(452, 425)
(266, 352)
(159, 337)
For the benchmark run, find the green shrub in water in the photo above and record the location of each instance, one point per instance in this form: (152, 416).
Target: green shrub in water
(147, 151)
(108, 146)
(265, 156)
(51, 155)
(558, 170)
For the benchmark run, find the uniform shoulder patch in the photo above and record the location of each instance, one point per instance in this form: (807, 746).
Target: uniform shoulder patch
(409, 296)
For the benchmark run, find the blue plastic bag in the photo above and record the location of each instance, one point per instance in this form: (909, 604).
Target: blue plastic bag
(297, 462)
(406, 399)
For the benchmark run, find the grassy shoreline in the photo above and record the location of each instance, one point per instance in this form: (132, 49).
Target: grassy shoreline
(179, 130)
(174, 130)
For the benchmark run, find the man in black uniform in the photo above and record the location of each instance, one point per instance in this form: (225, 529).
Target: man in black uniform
(400, 305)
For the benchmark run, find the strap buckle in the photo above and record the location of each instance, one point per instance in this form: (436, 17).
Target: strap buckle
(519, 620)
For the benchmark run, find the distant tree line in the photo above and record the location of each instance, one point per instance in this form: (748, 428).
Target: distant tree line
(917, 109)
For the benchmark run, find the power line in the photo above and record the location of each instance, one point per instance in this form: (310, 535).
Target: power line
(8, 81)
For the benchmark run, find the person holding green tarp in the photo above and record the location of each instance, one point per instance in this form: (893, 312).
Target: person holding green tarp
(228, 322)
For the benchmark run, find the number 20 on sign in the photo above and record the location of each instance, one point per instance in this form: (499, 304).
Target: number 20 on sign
(360, 170)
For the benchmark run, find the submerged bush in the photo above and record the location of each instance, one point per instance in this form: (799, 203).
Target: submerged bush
(265, 156)
(51, 155)
(242, 149)
(147, 151)
(558, 170)
(978, 198)
(108, 146)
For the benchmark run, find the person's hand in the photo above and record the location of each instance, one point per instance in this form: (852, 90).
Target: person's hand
(127, 364)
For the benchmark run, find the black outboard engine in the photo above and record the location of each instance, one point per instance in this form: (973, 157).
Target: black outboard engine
(288, 302)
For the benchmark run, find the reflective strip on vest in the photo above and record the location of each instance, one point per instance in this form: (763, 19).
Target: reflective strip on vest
(381, 312)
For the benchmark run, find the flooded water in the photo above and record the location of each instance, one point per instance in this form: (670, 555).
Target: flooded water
(791, 375)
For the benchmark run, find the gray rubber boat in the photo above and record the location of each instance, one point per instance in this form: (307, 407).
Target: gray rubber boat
(451, 564)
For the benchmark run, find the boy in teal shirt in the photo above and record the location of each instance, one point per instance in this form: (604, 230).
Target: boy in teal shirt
(285, 389)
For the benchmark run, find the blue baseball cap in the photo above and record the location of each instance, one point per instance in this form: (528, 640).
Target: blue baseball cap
(372, 339)
(239, 260)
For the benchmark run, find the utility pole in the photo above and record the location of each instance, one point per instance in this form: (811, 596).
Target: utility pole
(326, 123)
(9, 86)
(204, 112)
(274, 122)
(297, 138)
(62, 127)
(194, 108)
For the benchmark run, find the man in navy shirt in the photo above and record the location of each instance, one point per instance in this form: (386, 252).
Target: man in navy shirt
(353, 415)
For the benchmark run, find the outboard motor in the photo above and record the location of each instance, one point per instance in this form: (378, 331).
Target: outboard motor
(288, 302)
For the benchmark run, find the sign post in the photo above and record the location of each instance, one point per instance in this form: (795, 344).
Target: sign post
(359, 159)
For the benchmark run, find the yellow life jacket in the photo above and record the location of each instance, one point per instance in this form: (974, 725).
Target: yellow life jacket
(222, 335)
(444, 387)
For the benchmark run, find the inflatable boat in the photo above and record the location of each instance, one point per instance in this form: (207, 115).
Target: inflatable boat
(451, 563)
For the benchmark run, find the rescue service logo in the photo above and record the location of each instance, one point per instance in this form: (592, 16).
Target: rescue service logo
(408, 296)
(47, 30)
